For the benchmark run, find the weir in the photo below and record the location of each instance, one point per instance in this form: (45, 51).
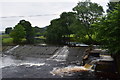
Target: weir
(61, 54)
(10, 50)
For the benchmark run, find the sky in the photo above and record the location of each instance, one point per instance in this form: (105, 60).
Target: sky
(37, 12)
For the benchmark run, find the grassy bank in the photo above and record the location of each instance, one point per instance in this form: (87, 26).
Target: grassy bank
(6, 39)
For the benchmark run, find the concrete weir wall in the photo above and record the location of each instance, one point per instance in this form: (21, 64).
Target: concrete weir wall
(31, 51)
(69, 54)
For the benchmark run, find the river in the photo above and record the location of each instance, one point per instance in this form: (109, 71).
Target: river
(30, 67)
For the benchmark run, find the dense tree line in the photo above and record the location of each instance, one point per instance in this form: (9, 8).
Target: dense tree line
(77, 23)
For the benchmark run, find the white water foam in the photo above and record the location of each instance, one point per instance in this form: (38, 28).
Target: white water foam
(10, 50)
(69, 71)
(31, 64)
(61, 54)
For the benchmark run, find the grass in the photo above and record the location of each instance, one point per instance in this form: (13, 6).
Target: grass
(7, 40)
(5, 36)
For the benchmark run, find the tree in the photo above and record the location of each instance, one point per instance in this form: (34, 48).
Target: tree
(59, 28)
(39, 31)
(110, 25)
(29, 31)
(109, 33)
(112, 6)
(8, 30)
(54, 32)
(87, 13)
(79, 31)
(18, 33)
(66, 20)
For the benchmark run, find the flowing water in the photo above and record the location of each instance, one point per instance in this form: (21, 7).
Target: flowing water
(54, 61)
(70, 70)
(10, 50)
(61, 54)
(12, 61)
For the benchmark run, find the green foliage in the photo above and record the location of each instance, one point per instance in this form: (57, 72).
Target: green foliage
(87, 13)
(8, 30)
(77, 23)
(54, 32)
(4, 35)
(41, 37)
(18, 33)
(66, 20)
(7, 41)
(112, 6)
(39, 31)
(109, 30)
(60, 27)
(111, 26)
(29, 31)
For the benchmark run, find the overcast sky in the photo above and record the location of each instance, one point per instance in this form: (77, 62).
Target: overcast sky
(38, 12)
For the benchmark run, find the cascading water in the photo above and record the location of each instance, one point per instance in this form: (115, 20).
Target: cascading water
(10, 50)
(69, 71)
(61, 54)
